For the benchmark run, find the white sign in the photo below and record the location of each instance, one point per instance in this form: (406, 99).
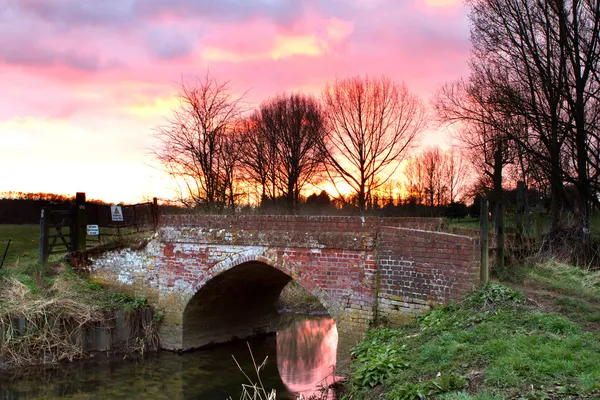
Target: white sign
(93, 230)
(116, 213)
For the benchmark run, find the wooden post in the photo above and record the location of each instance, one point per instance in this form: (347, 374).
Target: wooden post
(538, 227)
(521, 194)
(98, 222)
(500, 238)
(155, 213)
(43, 248)
(80, 223)
(483, 239)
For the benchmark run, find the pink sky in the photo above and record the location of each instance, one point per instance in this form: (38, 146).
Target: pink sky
(85, 81)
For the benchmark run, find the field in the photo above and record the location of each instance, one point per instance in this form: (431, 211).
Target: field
(24, 246)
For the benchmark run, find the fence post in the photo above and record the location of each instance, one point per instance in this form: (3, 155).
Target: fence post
(500, 237)
(538, 226)
(521, 196)
(155, 213)
(483, 239)
(80, 222)
(43, 248)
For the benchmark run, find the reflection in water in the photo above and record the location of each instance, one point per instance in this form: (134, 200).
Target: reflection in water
(303, 351)
(306, 354)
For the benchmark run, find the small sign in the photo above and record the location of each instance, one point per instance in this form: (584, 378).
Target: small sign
(116, 213)
(93, 230)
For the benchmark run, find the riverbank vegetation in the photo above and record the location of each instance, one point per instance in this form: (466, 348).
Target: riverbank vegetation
(536, 338)
(295, 299)
(46, 310)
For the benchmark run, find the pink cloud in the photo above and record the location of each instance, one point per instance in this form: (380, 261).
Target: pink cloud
(108, 69)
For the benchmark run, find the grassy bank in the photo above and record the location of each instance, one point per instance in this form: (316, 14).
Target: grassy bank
(44, 312)
(45, 309)
(538, 342)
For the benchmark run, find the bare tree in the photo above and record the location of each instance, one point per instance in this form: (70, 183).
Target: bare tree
(483, 129)
(282, 147)
(456, 175)
(414, 174)
(435, 177)
(549, 50)
(295, 127)
(196, 145)
(258, 157)
(372, 123)
(579, 36)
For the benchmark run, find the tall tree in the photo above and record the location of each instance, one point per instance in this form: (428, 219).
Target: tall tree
(282, 146)
(483, 130)
(258, 157)
(579, 34)
(455, 175)
(527, 40)
(295, 127)
(195, 146)
(371, 123)
(435, 177)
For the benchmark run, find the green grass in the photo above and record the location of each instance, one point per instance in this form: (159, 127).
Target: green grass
(564, 279)
(24, 245)
(492, 345)
(468, 222)
(41, 282)
(473, 223)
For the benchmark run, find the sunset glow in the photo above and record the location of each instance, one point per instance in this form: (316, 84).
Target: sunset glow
(85, 82)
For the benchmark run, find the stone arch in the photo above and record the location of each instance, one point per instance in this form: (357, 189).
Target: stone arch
(205, 311)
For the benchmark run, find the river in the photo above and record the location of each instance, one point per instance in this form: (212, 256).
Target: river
(300, 357)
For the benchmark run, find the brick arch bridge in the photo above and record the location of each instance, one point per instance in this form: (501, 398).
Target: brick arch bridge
(218, 277)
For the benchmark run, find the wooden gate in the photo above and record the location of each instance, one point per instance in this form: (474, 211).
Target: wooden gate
(56, 233)
(66, 230)
(62, 230)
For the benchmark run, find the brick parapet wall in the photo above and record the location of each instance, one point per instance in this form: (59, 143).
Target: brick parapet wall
(267, 237)
(292, 223)
(419, 269)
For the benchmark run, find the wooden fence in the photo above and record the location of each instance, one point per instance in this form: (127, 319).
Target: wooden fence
(528, 229)
(86, 225)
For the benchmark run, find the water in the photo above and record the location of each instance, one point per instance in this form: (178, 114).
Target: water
(299, 357)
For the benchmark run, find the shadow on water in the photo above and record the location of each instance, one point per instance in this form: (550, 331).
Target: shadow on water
(300, 356)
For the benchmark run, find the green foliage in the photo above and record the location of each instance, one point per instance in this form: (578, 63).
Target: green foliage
(377, 358)
(553, 323)
(483, 395)
(295, 298)
(91, 285)
(30, 283)
(494, 296)
(493, 331)
(158, 316)
(377, 366)
(534, 395)
(125, 301)
(424, 390)
(578, 310)
(375, 338)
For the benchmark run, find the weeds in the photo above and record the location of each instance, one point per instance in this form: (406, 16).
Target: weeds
(492, 344)
(255, 390)
(423, 390)
(494, 297)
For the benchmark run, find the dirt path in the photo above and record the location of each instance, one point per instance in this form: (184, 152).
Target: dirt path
(545, 300)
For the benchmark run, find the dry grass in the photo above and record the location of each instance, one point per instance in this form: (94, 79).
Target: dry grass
(45, 312)
(45, 330)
